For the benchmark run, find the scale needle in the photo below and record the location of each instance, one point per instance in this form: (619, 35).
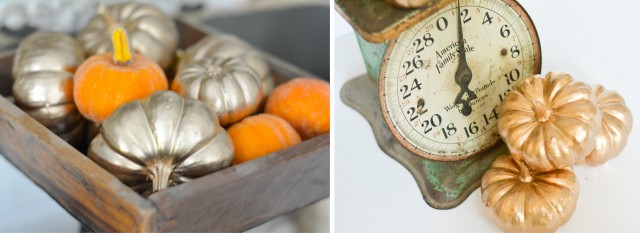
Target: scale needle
(463, 74)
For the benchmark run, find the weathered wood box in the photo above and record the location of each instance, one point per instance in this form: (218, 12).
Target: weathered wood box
(234, 199)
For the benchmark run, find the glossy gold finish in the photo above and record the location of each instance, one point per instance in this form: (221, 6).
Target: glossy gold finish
(616, 126)
(43, 72)
(151, 32)
(549, 122)
(227, 84)
(409, 3)
(222, 45)
(161, 141)
(521, 200)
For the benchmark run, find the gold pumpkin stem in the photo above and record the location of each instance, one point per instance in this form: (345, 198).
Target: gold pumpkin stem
(160, 174)
(543, 113)
(525, 174)
(121, 52)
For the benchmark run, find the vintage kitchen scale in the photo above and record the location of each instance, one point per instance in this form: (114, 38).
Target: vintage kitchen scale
(432, 108)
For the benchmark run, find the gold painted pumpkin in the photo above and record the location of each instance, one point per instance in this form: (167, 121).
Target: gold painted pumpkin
(549, 122)
(161, 141)
(151, 32)
(408, 3)
(223, 45)
(227, 84)
(43, 70)
(616, 126)
(521, 200)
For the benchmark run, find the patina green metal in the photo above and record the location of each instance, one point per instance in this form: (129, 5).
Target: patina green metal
(443, 185)
(373, 53)
(378, 22)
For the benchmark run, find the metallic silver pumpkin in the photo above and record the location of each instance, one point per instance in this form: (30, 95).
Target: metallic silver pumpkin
(43, 70)
(227, 84)
(161, 141)
(151, 32)
(230, 46)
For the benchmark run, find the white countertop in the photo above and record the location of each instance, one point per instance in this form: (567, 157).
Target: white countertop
(593, 41)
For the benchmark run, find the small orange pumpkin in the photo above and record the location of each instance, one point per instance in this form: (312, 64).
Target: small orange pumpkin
(259, 135)
(105, 81)
(304, 103)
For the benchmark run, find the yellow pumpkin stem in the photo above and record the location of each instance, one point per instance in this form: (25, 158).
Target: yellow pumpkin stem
(121, 51)
(525, 174)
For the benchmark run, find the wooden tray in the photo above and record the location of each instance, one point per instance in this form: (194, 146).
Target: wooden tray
(234, 199)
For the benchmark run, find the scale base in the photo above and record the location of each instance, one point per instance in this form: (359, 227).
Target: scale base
(444, 185)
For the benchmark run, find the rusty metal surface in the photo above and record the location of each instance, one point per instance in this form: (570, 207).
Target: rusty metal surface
(378, 21)
(444, 185)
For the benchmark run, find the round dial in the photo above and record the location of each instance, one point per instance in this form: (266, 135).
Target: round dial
(442, 81)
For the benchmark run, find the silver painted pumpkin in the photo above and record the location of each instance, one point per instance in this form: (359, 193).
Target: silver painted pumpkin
(227, 84)
(161, 141)
(151, 32)
(230, 46)
(43, 70)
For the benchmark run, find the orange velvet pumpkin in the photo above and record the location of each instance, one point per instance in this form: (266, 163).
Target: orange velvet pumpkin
(259, 135)
(105, 81)
(304, 103)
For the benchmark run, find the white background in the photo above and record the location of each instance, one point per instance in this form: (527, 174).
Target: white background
(593, 41)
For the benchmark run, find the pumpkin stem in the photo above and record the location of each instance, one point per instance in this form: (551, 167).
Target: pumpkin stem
(121, 52)
(211, 71)
(160, 174)
(543, 113)
(525, 174)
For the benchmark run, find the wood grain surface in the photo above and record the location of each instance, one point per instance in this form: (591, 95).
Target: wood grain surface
(88, 192)
(234, 199)
(246, 195)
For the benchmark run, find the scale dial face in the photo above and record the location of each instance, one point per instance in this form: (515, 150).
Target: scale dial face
(422, 97)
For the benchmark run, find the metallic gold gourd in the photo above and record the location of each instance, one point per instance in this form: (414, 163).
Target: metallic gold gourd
(408, 3)
(616, 126)
(161, 141)
(521, 200)
(549, 122)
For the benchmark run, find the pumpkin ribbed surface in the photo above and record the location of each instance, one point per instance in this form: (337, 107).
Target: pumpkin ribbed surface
(616, 126)
(520, 200)
(549, 122)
